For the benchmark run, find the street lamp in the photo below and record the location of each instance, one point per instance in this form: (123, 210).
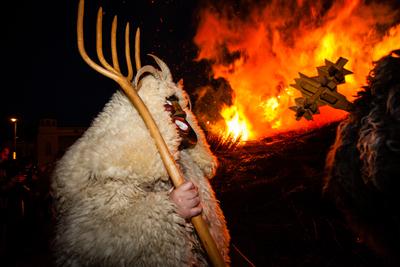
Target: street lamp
(14, 120)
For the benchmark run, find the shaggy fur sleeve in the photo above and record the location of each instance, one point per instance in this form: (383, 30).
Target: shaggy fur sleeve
(111, 225)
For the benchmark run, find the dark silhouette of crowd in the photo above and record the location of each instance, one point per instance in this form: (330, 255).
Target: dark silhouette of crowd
(25, 209)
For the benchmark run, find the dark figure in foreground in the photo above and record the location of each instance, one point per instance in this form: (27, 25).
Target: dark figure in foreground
(363, 166)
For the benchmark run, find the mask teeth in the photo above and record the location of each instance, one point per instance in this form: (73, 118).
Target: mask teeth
(182, 125)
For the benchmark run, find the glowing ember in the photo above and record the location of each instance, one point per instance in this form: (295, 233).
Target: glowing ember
(261, 53)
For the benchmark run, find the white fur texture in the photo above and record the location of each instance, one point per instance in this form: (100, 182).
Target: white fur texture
(112, 189)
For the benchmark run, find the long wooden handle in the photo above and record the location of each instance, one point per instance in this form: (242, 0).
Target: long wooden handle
(174, 172)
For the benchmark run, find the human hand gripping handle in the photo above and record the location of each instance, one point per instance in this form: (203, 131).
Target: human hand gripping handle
(187, 200)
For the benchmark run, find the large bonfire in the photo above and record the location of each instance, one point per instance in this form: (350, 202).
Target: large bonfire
(260, 48)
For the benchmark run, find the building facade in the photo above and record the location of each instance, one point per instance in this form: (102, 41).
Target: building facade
(53, 141)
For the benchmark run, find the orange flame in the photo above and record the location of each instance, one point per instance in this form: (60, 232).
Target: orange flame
(237, 125)
(274, 42)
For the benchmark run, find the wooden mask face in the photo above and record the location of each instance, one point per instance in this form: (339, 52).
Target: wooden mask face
(186, 132)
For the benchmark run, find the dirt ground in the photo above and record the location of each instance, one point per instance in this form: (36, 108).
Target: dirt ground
(271, 193)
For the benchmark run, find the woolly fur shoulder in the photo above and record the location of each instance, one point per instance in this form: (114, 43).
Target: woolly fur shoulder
(201, 153)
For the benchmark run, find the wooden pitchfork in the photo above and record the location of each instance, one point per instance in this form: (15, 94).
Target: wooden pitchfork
(113, 72)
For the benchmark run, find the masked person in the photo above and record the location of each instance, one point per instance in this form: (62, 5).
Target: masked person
(115, 203)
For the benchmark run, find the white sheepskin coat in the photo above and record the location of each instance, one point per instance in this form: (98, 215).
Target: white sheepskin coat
(111, 190)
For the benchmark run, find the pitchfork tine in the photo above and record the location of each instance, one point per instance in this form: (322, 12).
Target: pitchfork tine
(137, 50)
(128, 53)
(99, 41)
(114, 44)
(81, 46)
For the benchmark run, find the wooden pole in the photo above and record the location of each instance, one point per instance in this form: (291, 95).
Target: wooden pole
(175, 174)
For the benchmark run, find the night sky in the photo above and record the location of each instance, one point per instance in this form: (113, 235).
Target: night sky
(45, 77)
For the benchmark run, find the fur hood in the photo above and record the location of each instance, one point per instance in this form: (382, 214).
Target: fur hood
(118, 143)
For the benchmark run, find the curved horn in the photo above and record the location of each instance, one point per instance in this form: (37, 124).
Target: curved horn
(150, 69)
(165, 72)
